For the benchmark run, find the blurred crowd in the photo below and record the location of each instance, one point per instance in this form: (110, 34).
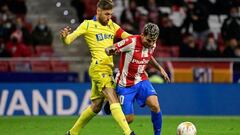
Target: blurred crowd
(185, 29)
(184, 24)
(188, 28)
(18, 37)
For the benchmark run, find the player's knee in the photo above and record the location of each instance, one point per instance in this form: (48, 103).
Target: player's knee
(96, 106)
(155, 108)
(111, 95)
(130, 118)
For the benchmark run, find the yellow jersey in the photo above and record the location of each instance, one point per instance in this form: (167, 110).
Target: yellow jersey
(98, 38)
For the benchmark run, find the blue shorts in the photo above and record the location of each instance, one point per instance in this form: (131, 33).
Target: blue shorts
(139, 92)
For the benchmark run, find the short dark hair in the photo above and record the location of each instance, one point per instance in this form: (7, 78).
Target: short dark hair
(151, 30)
(105, 4)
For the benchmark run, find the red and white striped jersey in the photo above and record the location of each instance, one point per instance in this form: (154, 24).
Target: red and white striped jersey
(133, 61)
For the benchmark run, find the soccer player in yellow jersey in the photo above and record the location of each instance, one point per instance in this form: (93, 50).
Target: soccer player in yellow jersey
(99, 34)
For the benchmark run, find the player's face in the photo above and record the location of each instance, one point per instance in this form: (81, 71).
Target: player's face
(104, 16)
(147, 41)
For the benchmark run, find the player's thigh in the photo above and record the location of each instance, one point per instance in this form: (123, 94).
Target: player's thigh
(126, 100)
(95, 93)
(102, 76)
(106, 86)
(111, 95)
(97, 104)
(145, 90)
(100, 81)
(152, 103)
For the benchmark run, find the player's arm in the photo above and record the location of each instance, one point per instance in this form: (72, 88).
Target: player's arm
(122, 46)
(67, 37)
(64, 33)
(157, 66)
(112, 50)
(122, 34)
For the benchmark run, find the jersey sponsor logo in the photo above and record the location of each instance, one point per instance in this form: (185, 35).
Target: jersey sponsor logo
(42, 102)
(101, 36)
(44, 98)
(143, 61)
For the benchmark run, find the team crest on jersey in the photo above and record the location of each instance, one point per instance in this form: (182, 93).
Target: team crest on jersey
(102, 36)
(121, 43)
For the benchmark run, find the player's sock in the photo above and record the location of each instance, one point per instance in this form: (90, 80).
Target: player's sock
(157, 122)
(120, 118)
(84, 118)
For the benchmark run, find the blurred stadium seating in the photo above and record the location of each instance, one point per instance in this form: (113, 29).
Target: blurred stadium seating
(57, 18)
(60, 66)
(44, 51)
(40, 66)
(20, 66)
(4, 66)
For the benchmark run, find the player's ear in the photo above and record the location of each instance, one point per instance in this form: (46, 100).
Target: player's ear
(98, 10)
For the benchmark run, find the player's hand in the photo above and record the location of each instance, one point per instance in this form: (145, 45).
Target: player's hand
(65, 31)
(111, 50)
(165, 77)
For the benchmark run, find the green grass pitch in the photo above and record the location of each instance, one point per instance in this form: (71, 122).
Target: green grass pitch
(105, 125)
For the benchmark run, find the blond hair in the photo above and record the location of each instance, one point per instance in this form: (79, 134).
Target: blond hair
(105, 4)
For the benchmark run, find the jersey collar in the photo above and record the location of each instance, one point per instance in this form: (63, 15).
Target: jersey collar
(95, 18)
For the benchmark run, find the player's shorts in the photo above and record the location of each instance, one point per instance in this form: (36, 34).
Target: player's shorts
(101, 77)
(139, 92)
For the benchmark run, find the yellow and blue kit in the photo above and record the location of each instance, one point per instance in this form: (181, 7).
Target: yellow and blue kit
(98, 38)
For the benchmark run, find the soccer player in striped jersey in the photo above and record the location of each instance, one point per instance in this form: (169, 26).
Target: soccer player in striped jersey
(132, 80)
(99, 34)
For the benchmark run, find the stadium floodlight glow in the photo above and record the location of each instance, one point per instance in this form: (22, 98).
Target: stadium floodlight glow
(58, 4)
(73, 21)
(65, 12)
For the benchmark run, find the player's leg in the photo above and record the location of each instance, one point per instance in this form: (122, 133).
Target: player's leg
(105, 85)
(106, 108)
(91, 111)
(126, 97)
(156, 114)
(130, 118)
(116, 110)
(148, 96)
(87, 115)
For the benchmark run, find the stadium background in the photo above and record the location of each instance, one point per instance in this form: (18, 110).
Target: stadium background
(40, 76)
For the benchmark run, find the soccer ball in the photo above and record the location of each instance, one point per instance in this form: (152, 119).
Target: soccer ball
(186, 128)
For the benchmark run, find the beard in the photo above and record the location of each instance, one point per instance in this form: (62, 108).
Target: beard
(101, 20)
